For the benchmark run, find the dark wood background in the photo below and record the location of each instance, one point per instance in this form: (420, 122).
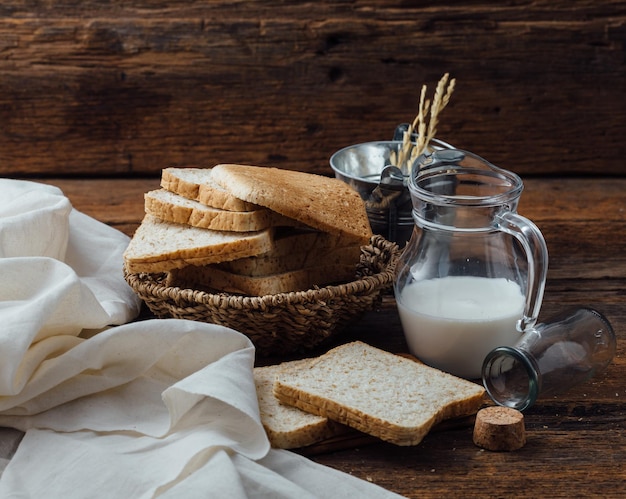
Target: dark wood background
(121, 89)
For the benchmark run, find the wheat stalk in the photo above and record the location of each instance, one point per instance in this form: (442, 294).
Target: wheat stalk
(425, 131)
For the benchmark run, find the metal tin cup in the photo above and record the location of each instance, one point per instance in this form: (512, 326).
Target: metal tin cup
(367, 167)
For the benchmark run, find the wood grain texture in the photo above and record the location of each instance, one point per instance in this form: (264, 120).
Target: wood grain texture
(127, 88)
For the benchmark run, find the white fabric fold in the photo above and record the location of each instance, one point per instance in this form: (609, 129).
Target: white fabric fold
(114, 408)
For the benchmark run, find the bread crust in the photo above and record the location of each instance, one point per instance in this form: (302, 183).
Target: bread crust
(174, 208)
(325, 203)
(270, 264)
(197, 184)
(210, 277)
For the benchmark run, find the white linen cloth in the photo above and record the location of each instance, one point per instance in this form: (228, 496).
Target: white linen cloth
(114, 408)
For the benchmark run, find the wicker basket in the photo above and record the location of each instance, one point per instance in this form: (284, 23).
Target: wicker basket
(281, 323)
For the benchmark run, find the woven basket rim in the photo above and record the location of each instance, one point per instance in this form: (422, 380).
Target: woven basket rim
(357, 286)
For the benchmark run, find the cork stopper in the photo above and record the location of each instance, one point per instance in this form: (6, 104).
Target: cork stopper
(499, 429)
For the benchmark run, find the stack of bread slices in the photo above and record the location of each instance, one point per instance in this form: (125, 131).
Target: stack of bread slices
(356, 386)
(249, 230)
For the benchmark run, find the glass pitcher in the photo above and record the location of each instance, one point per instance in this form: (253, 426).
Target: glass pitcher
(472, 276)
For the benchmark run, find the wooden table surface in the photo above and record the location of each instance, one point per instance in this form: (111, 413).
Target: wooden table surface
(576, 440)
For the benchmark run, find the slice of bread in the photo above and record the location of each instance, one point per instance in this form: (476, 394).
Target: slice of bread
(197, 184)
(212, 278)
(379, 393)
(172, 207)
(270, 263)
(289, 240)
(288, 427)
(159, 246)
(325, 203)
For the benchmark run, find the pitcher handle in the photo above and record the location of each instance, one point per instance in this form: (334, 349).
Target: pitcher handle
(531, 239)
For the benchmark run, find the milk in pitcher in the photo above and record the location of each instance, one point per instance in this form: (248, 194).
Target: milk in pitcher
(453, 322)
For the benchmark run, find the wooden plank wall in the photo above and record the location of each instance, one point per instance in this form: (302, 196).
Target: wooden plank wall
(123, 89)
